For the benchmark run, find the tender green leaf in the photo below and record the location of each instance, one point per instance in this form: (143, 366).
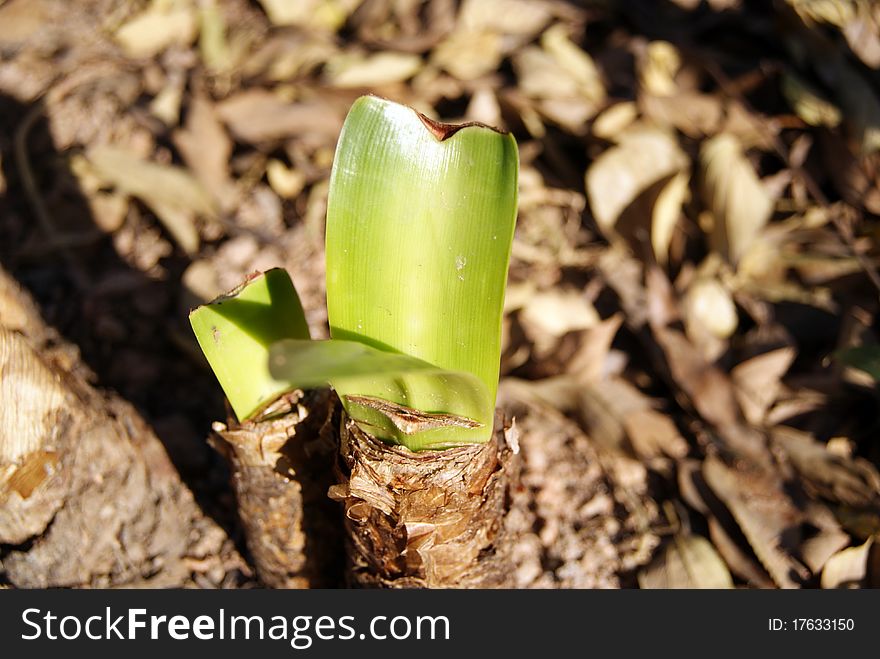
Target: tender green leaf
(438, 408)
(236, 330)
(420, 223)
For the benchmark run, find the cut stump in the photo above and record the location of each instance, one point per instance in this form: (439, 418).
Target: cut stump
(281, 469)
(433, 519)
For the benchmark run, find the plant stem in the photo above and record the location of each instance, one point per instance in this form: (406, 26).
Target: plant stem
(281, 469)
(432, 519)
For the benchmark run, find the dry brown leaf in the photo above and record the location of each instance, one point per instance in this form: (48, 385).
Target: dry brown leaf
(171, 192)
(724, 532)
(753, 129)
(851, 481)
(667, 209)
(523, 18)
(708, 387)
(313, 14)
(484, 107)
(563, 76)
(855, 567)
(257, 115)
(763, 511)
(741, 562)
(615, 415)
(732, 192)
(200, 282)
(286, 182)
(560, 393)
(653, 435)
(550, 314)
(614, 120)
(758, 381)
(575, 62)
(855, 20)
(166, 104)
(694, 114)
(819, 269)
(588, 363)
(613, 412)
(206, 149)
(828, 539)
(284, 57)
(157, 28)
(148, 180)
(469, 54)
(709, 308)
(348, 71)
(863, 36)
(835, 12)
(692, 486)
(540, 76)
(660, 64)
(687, 561)
(646, 162)
(572, 114)
(214, 47)
(21, 19)
(108, 210)
(796, 404)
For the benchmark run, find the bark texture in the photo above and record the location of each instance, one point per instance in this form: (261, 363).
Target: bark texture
(281, 470)
(434, 519)
(88, 495)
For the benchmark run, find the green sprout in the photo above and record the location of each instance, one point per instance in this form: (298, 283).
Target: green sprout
(420, 223)
(236, 330)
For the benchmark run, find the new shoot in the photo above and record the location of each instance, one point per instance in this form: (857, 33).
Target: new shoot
(420, 222)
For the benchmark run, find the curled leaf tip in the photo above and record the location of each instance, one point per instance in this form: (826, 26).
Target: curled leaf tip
(443, 131)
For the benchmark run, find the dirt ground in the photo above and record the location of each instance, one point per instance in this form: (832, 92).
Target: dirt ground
(690, 334)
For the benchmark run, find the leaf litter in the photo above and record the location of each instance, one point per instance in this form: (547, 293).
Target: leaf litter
(698, 228)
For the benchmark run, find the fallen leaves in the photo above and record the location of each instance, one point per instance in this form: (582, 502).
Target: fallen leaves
(644, 176)
(314, 14)
(485, 31)
(709, 307)
(673, 245)
(764, 513)
(549, 315)
(172, 193)
(157, 28)
(739, 204)
(19, 20)
(855, 567)
(854, 482)
(206, 149)
(351, 71)
(687, 561)
(758, 382)
(259, 115)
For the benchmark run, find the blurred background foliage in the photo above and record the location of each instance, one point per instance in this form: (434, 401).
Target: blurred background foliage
(691, 334)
